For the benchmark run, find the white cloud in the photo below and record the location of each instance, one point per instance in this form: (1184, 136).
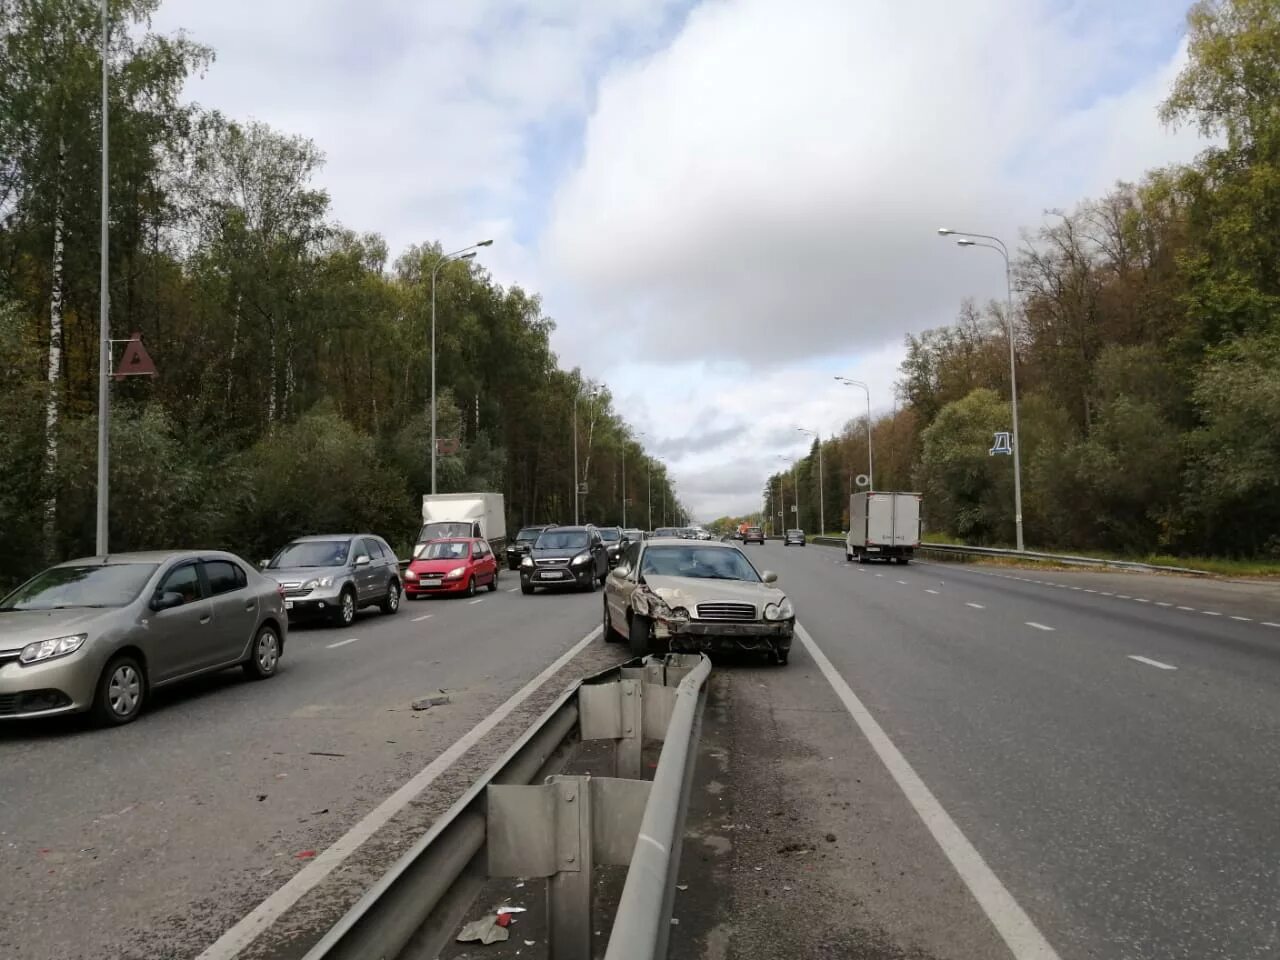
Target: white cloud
(753, 204)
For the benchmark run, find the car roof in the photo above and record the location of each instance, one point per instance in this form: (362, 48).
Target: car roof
(320, 537)
(684, 542)
(150, 556)
(580, 528)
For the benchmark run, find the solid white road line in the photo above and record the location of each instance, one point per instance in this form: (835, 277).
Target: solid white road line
(425, 616)
(340, 643)
(270, 909)
(927, 590)
(1024, 940)
(976, 606)
(1038, 626)
(512, 589)
(1268, 623)
(1153, 663)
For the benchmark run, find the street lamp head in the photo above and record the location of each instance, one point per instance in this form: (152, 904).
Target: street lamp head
(485, 243)
(966, 243)
(467, 256)
(944, 232)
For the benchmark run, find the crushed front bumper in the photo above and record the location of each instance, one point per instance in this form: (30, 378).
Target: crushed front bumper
(701, 636)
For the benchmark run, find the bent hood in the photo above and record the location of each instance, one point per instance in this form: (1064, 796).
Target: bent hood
(688, 592)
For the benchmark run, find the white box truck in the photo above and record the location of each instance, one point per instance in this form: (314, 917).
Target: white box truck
(463, 515)
(883, 526)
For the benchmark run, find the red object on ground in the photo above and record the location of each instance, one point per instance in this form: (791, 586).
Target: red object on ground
(503, 920)
(305, 855)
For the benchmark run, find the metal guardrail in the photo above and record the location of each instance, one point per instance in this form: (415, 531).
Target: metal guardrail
(521, 819)
(956, 549)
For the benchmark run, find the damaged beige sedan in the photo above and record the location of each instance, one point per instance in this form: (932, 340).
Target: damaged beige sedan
(671, 594)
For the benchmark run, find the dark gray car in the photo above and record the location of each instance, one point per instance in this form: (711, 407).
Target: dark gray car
(99, 634)
(332, 576)
(563, 557)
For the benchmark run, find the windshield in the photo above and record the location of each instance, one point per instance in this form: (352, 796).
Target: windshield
(528, 534)
(311, 553)
(610, 534)
(703, 563)
(112, 585)
(443, 530)
(562, 540)
(446, 550)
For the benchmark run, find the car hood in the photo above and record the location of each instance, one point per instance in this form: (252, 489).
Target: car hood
(441, 565)
(690, 591)
(285, 575)
(20, 627)
(550, 553)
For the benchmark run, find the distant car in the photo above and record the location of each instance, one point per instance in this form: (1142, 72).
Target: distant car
(334, 575)
(795, 537)
(456, 565)
(666, 532)
(100, 634)
(753, 535)
(632, 535)
(700, 596)
(565, 556)
(523, 541)
(612, 537)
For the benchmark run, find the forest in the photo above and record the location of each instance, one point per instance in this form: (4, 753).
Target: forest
(293, 351)
(1147, 331)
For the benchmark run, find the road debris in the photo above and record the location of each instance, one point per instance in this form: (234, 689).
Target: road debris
(484, 930)
(435, 700)
(323, 753)
(261, 797)
(304, 854)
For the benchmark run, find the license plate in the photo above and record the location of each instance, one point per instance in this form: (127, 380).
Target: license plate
(432, 582)
(873, 549)
(551, 575)
(288, 604)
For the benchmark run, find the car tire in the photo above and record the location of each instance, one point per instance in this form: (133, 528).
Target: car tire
(264, 656)
(122, 691)
(848, 557)
(345, 615)
(638, 635)
(493, 582)
(607, 632)
(471, 587)
(526, 589)
(392, 601)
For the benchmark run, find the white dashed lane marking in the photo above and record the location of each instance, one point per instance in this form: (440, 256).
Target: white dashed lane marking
(341, 643)
(927, 590)
(1152, 663)
(976, 606)
(425, 616)
(1039, 626)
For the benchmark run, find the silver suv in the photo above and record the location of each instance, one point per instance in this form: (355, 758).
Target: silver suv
(332, 576)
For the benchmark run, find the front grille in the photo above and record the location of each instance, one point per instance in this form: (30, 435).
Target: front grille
(726, 611)
(556, 562)
(293, 592)
(8, 704)
(32, 701)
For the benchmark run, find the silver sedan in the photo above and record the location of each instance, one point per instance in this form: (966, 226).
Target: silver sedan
(99, 634)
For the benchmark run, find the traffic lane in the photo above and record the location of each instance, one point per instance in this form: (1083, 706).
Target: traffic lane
(224, 778)
(1255, 601)
(1128, 820)
(797, 841)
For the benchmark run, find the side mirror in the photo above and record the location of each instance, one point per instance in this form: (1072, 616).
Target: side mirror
(362, 560)
(262, 564)
(769, 577)
(166, 601)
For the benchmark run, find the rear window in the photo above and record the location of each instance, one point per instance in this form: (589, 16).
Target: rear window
(610, 535)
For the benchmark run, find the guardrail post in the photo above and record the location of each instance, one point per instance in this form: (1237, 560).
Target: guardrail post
(627, 754)
(569, 889)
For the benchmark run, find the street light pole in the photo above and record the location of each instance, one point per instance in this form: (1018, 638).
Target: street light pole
(104, 325)
(466, 253)
(871, 474)
(822, 500)
(999, 247)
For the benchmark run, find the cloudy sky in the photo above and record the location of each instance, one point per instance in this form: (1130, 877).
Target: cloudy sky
(724, 203)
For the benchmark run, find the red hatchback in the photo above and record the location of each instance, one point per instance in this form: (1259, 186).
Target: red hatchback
(456, 565)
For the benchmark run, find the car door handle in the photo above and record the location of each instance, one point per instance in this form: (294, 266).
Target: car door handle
(206, 618)
(250, 604)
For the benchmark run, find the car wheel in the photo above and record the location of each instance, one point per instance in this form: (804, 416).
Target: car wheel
(607, 631)
(264, 658)
(122, 688)
(848, 557)
(526, 589)
(392, 602)
(346, 613)
(590, 585)
(471, 587)
(638, 635)
(493, 582)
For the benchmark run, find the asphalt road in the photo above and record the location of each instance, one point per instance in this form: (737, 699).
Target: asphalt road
(158, 836)
(1128, 806)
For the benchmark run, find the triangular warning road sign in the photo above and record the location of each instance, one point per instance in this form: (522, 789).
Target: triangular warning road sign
(136, 362)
